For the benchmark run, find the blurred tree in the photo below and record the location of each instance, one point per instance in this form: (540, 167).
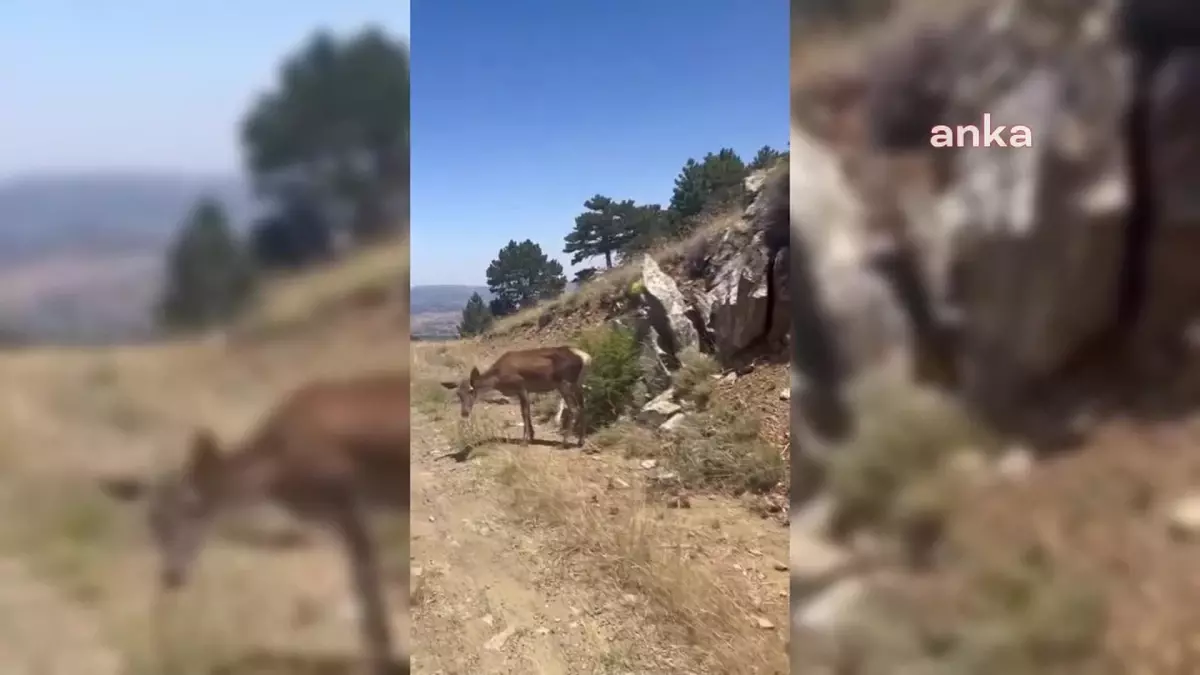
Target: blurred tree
(501, 307)
(209, 277)
(294, 235)
(336, 126)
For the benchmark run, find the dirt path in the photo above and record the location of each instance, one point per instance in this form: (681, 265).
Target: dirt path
(477, 605)
(495, 592)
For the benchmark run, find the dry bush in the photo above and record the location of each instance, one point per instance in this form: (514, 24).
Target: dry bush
(479, 429)
(430, 397)
(693, 381)
(629, 437)
(1020, 618)
(722, 450)
(638, 551)
(1027, 617)
(719, 450)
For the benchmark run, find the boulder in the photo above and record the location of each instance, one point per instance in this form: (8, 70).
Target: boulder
(739, 298)
(662, 408)
(667, 310)
(1037, 232)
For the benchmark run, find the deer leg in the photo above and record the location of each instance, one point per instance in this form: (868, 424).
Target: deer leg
(368, 586)
(567, 412)
(580, 423)
(526, 418)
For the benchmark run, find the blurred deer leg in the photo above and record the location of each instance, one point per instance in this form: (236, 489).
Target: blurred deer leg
(368, 586)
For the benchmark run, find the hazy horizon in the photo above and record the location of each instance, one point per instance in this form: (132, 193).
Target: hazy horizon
(176, 79)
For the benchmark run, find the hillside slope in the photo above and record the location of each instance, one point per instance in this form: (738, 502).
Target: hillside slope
(660, 547)
(77, 567)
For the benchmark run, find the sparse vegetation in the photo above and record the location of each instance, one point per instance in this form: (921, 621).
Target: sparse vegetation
(642, 553)
(722, 450)
(891, 472)
(291, 302)
(693, 382)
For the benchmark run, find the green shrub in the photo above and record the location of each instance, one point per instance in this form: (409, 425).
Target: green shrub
(904, 441)
(612, 376)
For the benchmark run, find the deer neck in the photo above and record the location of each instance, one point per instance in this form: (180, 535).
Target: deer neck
(487, 381)
(247, 480)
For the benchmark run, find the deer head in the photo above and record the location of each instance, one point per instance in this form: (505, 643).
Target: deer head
(182, 506)
(467, 391)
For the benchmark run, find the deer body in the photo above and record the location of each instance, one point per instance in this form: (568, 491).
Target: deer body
(327, 453)
(532, 371)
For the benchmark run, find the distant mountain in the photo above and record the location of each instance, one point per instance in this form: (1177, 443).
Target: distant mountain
(108, 212)
(436, 310)
(81, 253)
(444, 298)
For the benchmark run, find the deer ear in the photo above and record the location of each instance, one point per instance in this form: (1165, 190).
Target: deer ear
(450, 385)
(204, 458)
(474, 376)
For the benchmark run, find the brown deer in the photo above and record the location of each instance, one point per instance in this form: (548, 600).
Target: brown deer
(328, 452)
(532, 371)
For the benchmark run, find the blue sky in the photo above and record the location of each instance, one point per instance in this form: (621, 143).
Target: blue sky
(524, 109)
(149, 84)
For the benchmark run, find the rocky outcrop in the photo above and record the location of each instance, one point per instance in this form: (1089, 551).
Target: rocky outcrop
(667, 312)
(1026, 246)
(740, 296)
(1024, 251)
(734, 306)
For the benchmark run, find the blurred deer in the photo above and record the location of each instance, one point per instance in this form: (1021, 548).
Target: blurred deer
(328, 452)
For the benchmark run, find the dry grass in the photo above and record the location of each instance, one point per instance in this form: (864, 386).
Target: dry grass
(544, 407)
(722, 450)
(693, 382)
(719, 451)
(364, 276)
(896, 470)
(633, 546)
(1021, 619)
(69, 417)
